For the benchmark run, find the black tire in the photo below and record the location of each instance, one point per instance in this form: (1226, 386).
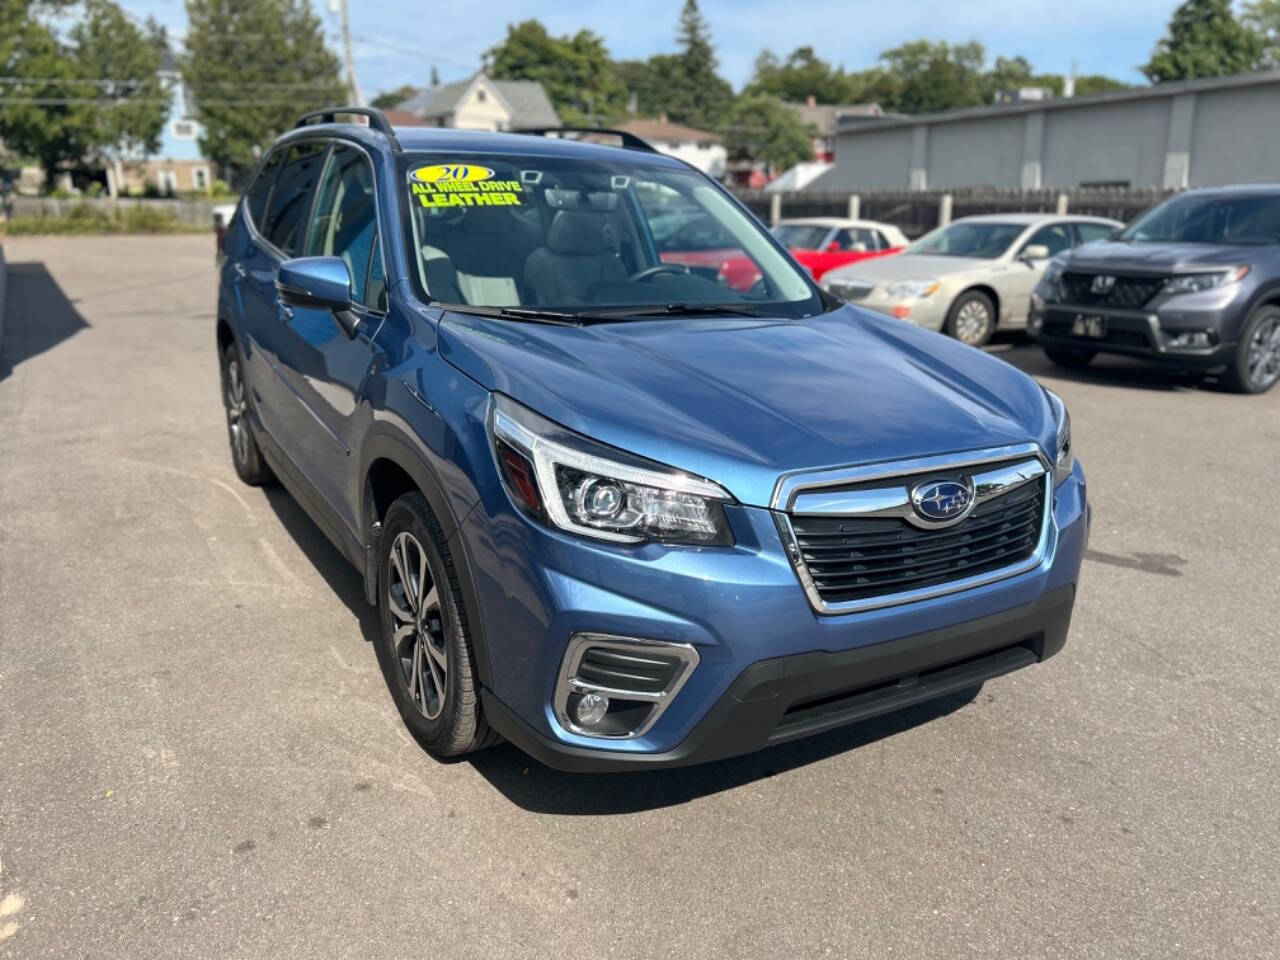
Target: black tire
(1070, 357)
(245, 454)
(1262, 325)
(965, 310)
(442, 713)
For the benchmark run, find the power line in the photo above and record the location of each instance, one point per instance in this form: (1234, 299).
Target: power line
(136, 101)
(68, 81)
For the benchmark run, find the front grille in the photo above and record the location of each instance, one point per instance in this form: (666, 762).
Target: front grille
(850, 290)
(1131, 293)
(855, 558)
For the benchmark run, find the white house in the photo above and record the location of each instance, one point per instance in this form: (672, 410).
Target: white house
(703, 149)
(482, 103)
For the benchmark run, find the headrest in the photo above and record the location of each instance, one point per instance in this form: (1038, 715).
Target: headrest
(560, 198)
(577, 231)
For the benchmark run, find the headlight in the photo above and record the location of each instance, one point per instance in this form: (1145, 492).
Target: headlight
(1053, 272)
(587, 488)
(1196, 282)
(1064, 456)
(911, 289)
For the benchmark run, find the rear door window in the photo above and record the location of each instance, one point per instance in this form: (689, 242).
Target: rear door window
(256, 198)
(291, 199)
(1056, 236)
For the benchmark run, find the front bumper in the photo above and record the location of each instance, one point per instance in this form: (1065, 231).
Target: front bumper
(1132, 333)
(785, 698)
(759, 641)
(930, 312)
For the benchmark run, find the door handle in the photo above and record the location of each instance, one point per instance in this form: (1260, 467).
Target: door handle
(283, 311)
(240, 270)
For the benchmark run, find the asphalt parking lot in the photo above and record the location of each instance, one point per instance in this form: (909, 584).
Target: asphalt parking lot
(198, 756)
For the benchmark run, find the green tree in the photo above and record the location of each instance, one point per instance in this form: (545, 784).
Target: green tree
(1097, 83)
(1205, 40)
(802, 75)
(936, 76)
(253, 66)
(577, 72)
(696, 93)
(389, 98)
(761, 127)
(122, 62)
(1010, 73)
(1263, 16)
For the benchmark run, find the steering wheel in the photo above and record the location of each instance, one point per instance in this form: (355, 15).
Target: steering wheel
(649, 272)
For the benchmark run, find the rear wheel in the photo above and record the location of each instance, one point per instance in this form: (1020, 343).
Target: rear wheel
(1070, 357)
(245, 454)
(972, 318)
(1257, 364)
(424, 647)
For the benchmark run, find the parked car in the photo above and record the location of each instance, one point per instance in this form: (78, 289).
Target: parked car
(825, 243)
(818, 243)
(1194, 283)
(614, 511)
(970, 277)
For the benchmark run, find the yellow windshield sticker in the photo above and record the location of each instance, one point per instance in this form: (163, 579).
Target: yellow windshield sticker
(452, 173)
(463, 185)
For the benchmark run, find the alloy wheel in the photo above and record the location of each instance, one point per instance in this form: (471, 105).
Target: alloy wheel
(1263, 358)
(418, 639)
(237, 410)
(972, 321)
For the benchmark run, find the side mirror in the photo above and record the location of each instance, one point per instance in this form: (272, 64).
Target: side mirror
(1034, 251)
(833, 246)
(318, 283)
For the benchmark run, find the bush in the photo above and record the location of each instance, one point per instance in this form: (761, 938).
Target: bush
(85, 218)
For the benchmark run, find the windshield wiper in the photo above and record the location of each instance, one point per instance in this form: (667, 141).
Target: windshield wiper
(672, 310)
(514, 313)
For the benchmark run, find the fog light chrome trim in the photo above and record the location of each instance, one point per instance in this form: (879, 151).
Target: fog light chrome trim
(568, 683)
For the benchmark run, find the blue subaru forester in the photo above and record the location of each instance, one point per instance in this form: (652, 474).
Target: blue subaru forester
(609, 507)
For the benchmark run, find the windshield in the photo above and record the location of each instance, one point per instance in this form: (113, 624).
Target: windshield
(969, 239)
(800, 236)
(566, 235)
(1251, 220)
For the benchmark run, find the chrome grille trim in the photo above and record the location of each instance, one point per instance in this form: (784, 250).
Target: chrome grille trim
(793, 494)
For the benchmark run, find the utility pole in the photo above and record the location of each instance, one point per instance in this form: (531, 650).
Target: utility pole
(340, 7)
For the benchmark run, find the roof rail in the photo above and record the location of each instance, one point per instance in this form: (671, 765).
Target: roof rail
(377, 120)
(629, 140)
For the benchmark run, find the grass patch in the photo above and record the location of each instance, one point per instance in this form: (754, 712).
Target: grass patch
(86, 219)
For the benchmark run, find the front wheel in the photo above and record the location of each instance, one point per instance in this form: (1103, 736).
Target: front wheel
(423, 647)
(1256, 368)
(972, 318)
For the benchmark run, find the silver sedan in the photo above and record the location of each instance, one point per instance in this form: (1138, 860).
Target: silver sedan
(970, 277)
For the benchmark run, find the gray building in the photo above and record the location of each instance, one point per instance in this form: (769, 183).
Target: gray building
(1175, 135)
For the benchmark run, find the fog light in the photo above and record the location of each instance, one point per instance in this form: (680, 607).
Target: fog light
(1189, 339)
(591, 709)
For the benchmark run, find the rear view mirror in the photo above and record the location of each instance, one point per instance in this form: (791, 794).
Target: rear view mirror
(1035, 251)
(318, 283)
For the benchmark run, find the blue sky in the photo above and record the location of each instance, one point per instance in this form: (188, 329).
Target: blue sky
(401, 39)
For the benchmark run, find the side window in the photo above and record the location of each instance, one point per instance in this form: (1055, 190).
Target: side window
(256, 199)
(346, 222)
(291, 199)
(1056, 236)
(375, 294)
(1090, 232)
(843, 239)
(879, 241)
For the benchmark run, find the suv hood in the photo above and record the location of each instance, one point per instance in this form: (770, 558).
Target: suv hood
(1117, 255)
(743, 401)
(908, 266)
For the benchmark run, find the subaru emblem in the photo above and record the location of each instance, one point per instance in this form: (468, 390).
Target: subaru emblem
(1102, 284)
(942, 501)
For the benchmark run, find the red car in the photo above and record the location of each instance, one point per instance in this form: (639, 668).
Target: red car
(818, 243)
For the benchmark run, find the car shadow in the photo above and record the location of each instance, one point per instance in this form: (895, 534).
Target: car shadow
(1105, 371)
(540, 789)
(38, 315)
(343, 579)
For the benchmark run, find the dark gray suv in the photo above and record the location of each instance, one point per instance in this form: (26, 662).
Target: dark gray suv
(1193, 282)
